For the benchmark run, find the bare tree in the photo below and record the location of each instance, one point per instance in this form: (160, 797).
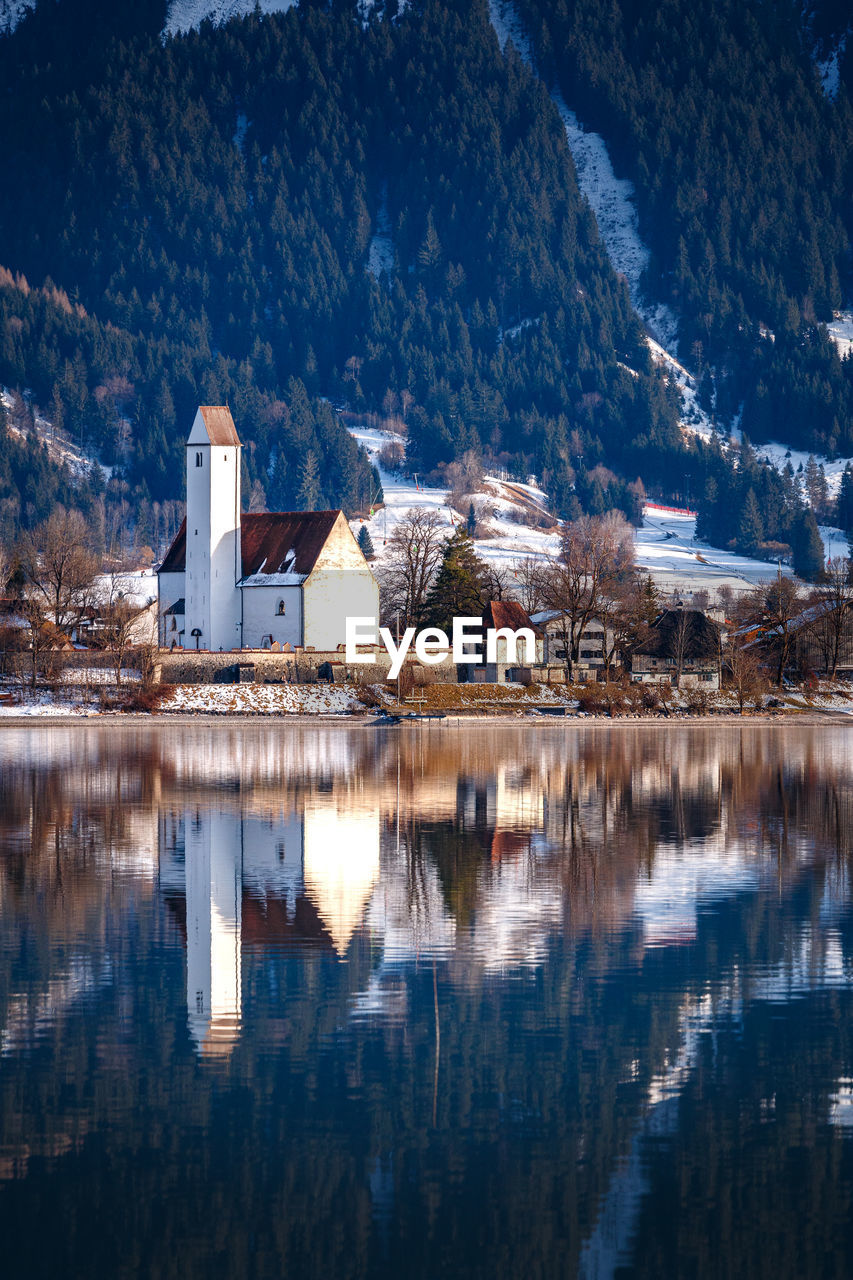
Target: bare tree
(38, 630)
(119, 615)
(680, 637)
(497, 580)
(745, 675)
(530, 577)
(595, 553)
(834, 614)
(58, 567)
(415, 549)
(776, 607)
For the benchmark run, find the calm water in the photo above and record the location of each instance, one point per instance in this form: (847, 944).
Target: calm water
(427, 1002)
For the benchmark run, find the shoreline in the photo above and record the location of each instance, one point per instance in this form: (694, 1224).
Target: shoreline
(184, 719)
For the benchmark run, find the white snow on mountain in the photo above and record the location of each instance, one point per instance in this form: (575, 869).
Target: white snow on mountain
(841, 332)
(611, 198)
(829, 67)
(183, 15)
(665, 545)
(380, 255)
(11, 12)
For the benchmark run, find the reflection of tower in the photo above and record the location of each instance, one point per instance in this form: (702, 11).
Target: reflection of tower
(341, 864)
(213, 851)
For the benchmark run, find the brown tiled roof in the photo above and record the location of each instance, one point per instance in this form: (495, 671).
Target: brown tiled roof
(175, 559)
(219, 423)
(701, 638)
(266, 538)
(507, 613)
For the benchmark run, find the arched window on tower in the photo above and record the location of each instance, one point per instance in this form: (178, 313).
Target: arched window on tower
(199, 459)
(280, 609)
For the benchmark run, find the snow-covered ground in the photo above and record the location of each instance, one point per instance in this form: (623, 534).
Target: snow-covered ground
(505, 501)
(59, 446)
(665, 544)
(264, 699)
(841, 332)
(183, 15)
(11, 12)
(611, 198)
(380, 255)
(828, 68)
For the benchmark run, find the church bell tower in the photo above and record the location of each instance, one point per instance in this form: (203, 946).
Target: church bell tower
(213, 560)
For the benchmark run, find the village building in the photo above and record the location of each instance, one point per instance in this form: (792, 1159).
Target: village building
(683, 649)
(596, 643)
(253, 581)
(512, 662)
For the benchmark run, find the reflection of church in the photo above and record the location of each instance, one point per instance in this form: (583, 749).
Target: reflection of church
(238, 880)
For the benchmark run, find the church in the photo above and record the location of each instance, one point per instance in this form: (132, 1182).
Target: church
(249, 581)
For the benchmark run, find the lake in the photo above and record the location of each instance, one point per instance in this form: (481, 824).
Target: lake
(339, 1001)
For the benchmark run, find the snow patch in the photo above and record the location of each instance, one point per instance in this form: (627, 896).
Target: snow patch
(11, 13)
(841, 332)
(183, 15)
(611, 198)
(829, 68)
(380, 255)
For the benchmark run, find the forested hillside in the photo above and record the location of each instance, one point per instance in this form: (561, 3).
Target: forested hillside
(193, 219)
(202, 211)
(743, 167)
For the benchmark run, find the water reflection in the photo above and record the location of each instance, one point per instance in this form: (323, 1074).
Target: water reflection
(487, 999)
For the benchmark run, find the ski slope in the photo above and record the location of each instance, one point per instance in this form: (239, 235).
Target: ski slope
(665, 544)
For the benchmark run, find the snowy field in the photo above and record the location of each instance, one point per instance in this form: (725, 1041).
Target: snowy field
(504, 501)
(665, 545)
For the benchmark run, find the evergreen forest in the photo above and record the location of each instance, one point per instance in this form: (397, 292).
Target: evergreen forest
(302, 213)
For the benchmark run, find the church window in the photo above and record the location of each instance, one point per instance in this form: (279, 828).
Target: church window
(280, 609)
(199, 459)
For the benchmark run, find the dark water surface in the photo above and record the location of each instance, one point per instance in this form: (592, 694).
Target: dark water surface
(333, 1001)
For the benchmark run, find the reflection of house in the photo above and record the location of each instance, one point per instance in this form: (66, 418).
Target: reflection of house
(595, 642)
(682, 648)
(231, 580)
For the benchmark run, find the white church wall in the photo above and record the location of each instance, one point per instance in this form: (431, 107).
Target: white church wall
(341, 585)
(170, 591)
(262, 620)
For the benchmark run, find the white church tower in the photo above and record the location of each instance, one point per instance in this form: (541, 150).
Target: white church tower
(213, 563)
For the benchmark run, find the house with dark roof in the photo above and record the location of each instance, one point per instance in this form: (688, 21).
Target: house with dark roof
(683, 648)
(232, 580)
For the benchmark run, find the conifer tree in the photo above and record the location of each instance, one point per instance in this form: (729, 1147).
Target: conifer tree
(460, 588)
(751, 528)
(807, 546)
(309, 487)
(365, 542)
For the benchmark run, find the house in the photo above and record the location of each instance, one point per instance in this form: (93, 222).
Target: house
(683, 649)
(512, 662)
(232, 581)
(596, 642)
